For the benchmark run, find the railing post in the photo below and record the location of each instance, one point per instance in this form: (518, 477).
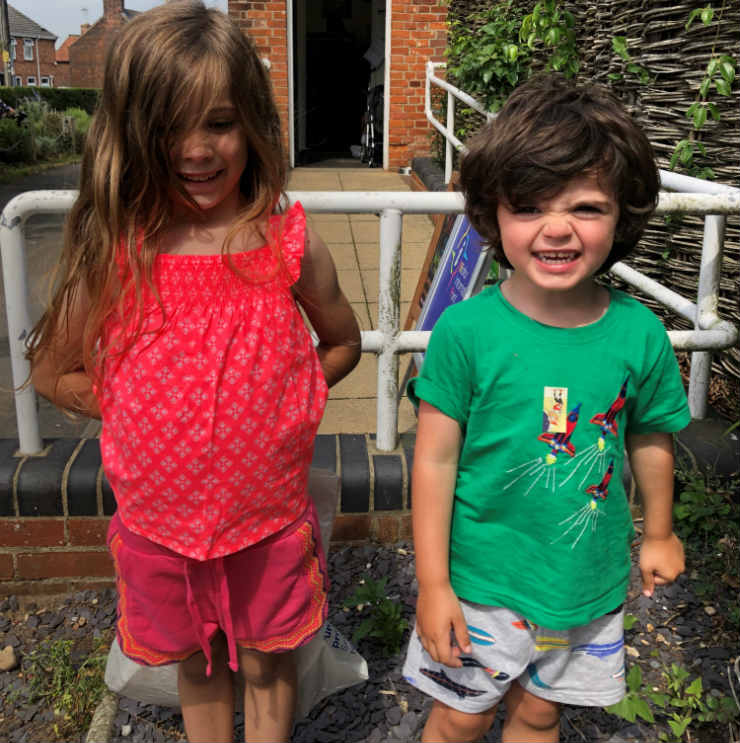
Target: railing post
(706, 306)
(15, 285)
(451, 129)
(389, 314)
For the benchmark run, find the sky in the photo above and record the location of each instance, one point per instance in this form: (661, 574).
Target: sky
(64, 17)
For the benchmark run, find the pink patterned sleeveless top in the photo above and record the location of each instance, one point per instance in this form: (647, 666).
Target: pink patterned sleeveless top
(209, 419)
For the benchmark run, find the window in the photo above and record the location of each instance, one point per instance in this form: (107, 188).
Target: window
(18, 81)
(28, 49)
(44, 82)
(30, 80)
(12, 49)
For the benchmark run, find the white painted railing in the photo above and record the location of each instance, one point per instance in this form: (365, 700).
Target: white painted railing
(710, 332)
(388, 341)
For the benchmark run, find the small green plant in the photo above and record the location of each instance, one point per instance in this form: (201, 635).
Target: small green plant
(73, 687)
(681, 704)
(382, 616)
(720, 76)
(705, 507)
(489, 62)
(619, 45)
(552, 29)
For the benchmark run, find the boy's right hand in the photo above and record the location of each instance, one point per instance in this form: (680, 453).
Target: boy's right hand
(439, 618)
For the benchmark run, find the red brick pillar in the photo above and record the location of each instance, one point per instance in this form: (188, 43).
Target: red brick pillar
(267, 24)
(418, 34)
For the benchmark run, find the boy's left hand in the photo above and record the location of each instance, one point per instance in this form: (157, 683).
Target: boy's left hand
(661, 561)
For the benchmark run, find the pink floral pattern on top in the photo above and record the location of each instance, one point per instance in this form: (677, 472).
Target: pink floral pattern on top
(209, 419)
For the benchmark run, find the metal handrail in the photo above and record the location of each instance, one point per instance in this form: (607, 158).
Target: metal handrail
(388, 341)
(707, 323)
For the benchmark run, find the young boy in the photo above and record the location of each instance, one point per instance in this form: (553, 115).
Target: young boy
(528, 394)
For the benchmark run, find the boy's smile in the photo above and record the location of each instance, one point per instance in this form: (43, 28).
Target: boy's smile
(556, 245)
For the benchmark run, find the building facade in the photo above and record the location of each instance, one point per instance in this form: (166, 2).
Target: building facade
(400, 36)
(87, 54)
(32, 54)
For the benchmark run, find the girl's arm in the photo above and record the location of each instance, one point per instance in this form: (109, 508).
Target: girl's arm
(328, 310)
(661, 553)
(72, 390)
(438, 610)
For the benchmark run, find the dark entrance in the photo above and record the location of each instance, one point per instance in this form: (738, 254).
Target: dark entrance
(331, 77)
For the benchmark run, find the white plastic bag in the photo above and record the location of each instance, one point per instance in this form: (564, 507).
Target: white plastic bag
(325, 665)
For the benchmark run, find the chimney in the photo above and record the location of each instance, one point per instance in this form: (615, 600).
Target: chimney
(112, 7)
(84, 28)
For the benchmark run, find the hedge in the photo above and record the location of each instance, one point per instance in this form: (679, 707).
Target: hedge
(59, 99)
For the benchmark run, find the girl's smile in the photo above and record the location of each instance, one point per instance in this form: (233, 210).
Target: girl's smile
(209, 161)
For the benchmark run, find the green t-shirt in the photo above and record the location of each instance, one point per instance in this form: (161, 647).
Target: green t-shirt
(540, 522)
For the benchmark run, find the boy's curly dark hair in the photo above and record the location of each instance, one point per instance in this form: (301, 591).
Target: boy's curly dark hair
(548, 132)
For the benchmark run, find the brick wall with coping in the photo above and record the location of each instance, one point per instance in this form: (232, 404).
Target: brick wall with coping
(55, 508)
(419, 33)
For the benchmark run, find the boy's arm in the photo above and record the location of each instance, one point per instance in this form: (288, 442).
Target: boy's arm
(661, 553)
(328, 310)
(73, 390)
(432, 488)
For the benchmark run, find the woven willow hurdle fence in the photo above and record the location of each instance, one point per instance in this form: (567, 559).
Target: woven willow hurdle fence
(676, 60)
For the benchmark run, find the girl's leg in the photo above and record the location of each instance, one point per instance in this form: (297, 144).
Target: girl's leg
(449, 725)
(207, 703)
(269, 695)
(530, 719)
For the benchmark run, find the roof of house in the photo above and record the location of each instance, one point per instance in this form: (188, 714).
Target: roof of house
(62, 54)
(21, 26)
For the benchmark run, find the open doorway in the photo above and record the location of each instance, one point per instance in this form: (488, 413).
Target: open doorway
(338, 53)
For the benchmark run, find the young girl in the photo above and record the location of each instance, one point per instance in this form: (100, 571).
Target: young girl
(176, 323)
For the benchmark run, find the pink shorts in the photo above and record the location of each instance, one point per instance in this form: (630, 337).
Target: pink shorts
(271, 596)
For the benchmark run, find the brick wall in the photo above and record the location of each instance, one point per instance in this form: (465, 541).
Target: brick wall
(46, 66)
(419, 33)
(267, 25)
(62, 77)
(87, 54)
(55, 508)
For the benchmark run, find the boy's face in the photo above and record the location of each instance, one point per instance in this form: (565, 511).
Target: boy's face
(557, 244)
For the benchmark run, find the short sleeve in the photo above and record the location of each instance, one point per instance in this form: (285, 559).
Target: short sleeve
(446, 375)
(660, 403)
(290, 228)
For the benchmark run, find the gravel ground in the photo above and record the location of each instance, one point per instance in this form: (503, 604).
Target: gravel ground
(678, 625)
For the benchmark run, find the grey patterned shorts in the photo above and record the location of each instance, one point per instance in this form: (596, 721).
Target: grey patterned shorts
(582, 666)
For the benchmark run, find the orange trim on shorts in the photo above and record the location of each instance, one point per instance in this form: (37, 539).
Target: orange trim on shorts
(312, 570)
(130, 647)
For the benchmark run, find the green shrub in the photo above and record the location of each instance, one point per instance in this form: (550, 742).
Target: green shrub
(57, 98)
(80, 120)
(16, 143)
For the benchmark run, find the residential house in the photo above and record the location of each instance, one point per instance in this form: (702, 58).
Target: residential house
(63, 76)
(87, 54)
(337, 49)
(32, 58)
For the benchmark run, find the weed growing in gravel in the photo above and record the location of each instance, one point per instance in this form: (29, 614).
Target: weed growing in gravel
(72, 683)
(383, 620)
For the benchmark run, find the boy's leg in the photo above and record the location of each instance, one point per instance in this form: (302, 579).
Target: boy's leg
(269, 695)
(530, 719)
(452, 726)
(207, 702)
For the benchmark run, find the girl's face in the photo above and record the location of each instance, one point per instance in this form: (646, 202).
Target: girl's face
(209, 160)
(557, 244)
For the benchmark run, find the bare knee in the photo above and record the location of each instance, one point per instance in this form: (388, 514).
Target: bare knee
(265, 669)
(534, 712)
(193, 669)
(448, 724)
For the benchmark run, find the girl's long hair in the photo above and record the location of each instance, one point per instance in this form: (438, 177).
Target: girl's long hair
(163, 72)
